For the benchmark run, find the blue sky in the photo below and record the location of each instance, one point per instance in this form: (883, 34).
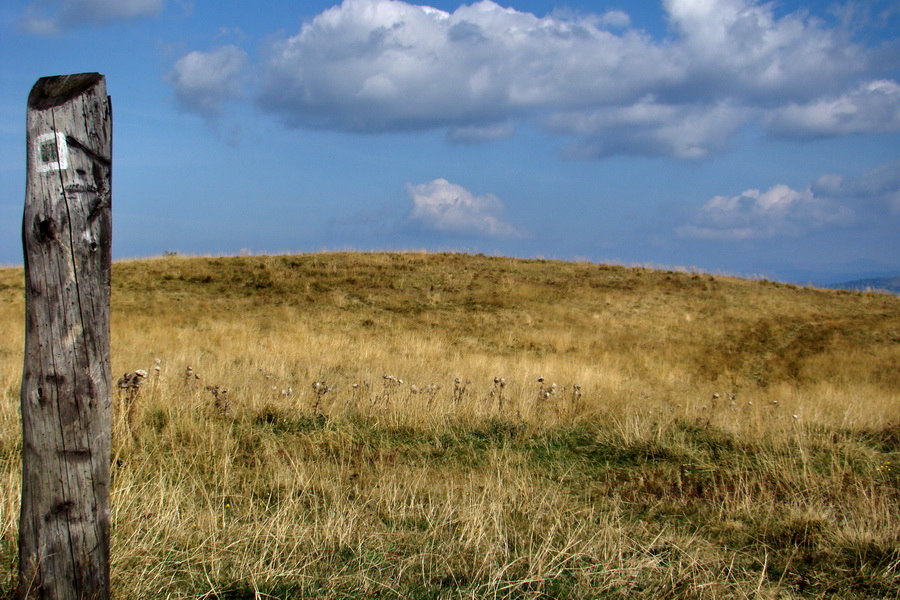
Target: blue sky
(733, 136)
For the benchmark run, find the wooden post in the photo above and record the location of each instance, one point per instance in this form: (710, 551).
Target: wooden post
(66, 380)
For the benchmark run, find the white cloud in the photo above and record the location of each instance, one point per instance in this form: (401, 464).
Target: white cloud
(615, 19)
(50, 16)
(203, 81)
(40, 26)
(373, 65)
(476, 134)
(876, 192)
(754, 214)
(739, 47)
(443, 206)
(872, 107)
(389, 65)
(648, 127)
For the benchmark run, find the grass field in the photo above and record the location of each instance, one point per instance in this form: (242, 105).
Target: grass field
(446, 426)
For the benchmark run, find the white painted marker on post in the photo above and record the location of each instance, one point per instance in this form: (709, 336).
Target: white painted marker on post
(52, 152)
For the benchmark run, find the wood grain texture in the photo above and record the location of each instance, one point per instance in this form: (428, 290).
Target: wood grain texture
(66, 381)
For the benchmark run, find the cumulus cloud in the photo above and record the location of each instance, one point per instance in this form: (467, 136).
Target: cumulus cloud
(204, 81)
(650, 128)
(389, 65)
(740, 48)
(615, 19)
(754, 214)
(872, 107)
(475, 134)
(51, 16)
(374, 65)
(876, 192)
(447, 207)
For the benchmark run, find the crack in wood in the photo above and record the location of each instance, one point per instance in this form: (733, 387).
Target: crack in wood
(74, 143)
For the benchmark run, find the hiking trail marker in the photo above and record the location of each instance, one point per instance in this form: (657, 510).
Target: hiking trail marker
(66, 380)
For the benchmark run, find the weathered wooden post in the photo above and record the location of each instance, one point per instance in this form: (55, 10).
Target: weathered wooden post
(66, 380)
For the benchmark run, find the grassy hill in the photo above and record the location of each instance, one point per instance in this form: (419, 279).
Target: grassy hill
(415, 425)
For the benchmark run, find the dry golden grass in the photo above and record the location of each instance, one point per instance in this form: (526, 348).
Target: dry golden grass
(693, 436)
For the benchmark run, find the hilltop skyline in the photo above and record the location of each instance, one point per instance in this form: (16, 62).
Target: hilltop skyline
(737, 136)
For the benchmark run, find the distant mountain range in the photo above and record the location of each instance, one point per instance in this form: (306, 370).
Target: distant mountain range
(887, 284)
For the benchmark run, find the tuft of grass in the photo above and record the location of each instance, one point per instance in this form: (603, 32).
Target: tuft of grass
(347, 425)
